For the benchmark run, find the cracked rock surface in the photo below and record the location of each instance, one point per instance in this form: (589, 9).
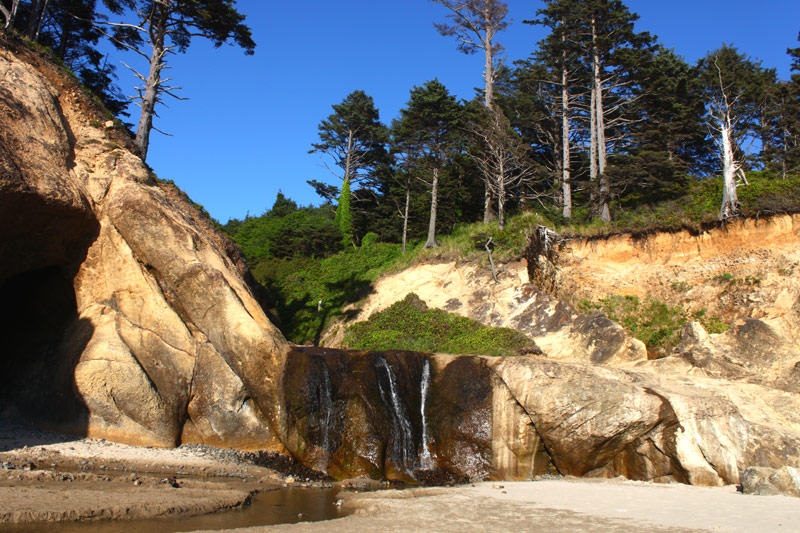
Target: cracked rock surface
(132, 319)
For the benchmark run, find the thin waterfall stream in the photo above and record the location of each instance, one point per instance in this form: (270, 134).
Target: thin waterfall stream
(401, 425)
(425, 459)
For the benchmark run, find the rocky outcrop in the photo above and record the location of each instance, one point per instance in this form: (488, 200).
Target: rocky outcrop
(157, 338)
(557, 329)
(755, 351)
(381, 414)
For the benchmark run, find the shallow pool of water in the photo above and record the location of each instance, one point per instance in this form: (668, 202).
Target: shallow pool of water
(282, 506)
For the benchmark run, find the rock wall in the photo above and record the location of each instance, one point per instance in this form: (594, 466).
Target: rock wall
(370, 413)
(157, 338)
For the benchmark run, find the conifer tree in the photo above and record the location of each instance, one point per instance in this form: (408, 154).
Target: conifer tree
(160, 28)
(475, 24)
(426, 138)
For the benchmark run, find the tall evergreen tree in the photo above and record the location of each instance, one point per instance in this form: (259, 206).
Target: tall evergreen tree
(475, 24)
(786, 131)
(68, 27)
(667, 137)
(425, 138)
(354, 138)
(164, 27)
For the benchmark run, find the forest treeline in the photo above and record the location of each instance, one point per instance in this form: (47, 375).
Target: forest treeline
(600, 123)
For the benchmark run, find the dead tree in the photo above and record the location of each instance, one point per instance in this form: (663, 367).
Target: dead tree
(9, 14)
(476, 23)
(723, 122)
(502, 158)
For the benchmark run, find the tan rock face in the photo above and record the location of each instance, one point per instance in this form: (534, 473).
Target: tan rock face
(161, 340)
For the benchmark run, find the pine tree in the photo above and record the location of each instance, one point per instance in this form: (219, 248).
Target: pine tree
(354, 138)
(426, 138)
(475, 24)
(165, 27)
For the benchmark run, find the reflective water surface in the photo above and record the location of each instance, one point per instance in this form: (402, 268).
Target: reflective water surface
(283, 506)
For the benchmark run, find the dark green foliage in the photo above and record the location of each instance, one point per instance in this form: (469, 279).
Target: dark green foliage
(66, 28)
(310, 291)
(287, 231)
(354, 138)
(410, 325)
(426, 140)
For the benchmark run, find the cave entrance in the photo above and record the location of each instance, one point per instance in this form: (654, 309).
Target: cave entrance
(41, 336)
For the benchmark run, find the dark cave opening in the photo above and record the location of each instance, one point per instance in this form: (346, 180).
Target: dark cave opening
(42, 339)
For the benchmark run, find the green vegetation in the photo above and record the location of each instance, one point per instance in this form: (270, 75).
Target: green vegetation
(652, 321)
(308, 291)
(410, 325)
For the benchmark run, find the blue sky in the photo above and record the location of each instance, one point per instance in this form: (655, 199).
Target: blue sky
(249, 122)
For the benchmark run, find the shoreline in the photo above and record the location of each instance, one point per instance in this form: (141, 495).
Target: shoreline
(51, 477)
(560, 505)
(48, 477)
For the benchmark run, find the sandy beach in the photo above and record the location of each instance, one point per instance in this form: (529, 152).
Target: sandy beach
(48, 477)
(560, 506)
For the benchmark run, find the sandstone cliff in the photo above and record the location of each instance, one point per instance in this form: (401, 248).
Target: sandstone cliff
(593, 404)
(126, 317)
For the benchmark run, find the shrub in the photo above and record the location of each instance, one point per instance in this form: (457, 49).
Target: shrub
(652, 321)
(410, 325)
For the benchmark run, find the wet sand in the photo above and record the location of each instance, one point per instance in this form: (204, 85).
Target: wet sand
(49, 477)
(561, 506)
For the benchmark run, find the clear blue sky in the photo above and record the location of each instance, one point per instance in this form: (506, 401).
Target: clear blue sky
(249, 122)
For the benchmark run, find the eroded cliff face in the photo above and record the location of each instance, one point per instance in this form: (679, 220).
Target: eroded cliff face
(592, 403)
(125, 316)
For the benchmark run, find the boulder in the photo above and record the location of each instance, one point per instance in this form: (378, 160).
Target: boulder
(763, 481)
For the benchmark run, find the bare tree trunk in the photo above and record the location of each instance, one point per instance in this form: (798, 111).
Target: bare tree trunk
(40, 20)
(488, 100)
(488, 67)
(431, 242)
(593, 146)
(488, 212)
(348, 160)
(501, 197)
(9, 15)
(150, 98)
(730, 199)
(566, 178)
(405, 214)
(602, 157)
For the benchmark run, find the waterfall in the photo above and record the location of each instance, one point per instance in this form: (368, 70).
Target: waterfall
(401, 425)
(425, 459)
(326, 403)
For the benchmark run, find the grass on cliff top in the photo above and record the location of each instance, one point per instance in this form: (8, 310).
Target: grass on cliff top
(410, 325)
(655, 323)
(297, 285)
